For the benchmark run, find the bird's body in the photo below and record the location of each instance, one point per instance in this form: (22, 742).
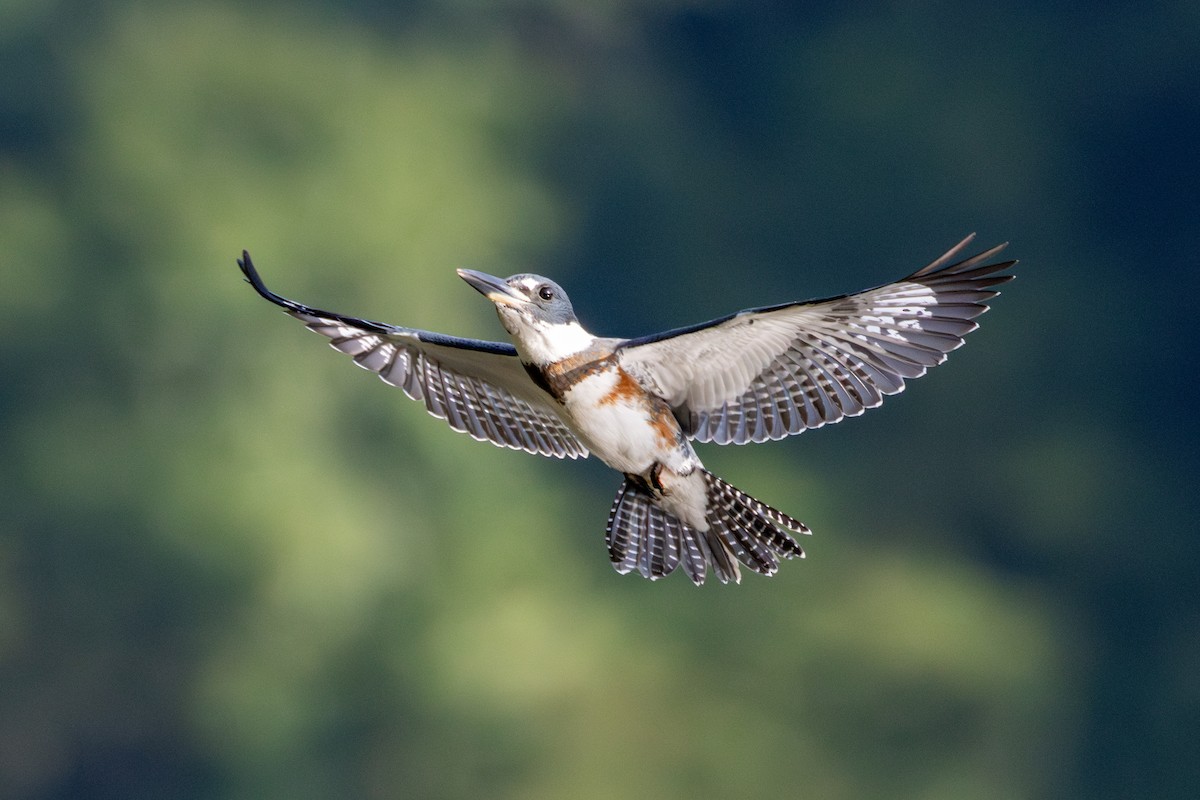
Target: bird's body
(635, 433)
(637, 403)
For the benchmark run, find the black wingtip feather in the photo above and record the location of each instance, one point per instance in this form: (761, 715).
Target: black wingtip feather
(255, 280)
(294, 308)
(250, 273)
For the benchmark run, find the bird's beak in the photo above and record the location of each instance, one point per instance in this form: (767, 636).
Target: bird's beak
(492, 288)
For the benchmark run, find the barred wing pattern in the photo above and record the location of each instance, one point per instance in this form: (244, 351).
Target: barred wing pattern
(479, 388)
(767, 373)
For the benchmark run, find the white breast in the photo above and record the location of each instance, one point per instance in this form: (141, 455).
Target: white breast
(617, 430)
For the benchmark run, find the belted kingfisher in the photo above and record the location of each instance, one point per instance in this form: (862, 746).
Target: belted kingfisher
(637, 404)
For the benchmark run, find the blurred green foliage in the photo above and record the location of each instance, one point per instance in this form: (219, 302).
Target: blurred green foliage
(232, 566)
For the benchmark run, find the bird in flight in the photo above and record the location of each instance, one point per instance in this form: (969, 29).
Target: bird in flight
(637, 404)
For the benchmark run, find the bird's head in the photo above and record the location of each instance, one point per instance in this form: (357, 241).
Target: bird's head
(536, 313)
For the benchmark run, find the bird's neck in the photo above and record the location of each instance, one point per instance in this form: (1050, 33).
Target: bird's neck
(542, 344)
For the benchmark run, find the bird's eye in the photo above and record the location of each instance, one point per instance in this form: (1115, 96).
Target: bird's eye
(546, 293)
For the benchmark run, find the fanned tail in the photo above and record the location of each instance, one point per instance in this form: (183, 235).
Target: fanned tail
(753, 531)
(642, 536)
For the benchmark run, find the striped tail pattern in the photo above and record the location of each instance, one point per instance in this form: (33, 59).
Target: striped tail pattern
(642, 536)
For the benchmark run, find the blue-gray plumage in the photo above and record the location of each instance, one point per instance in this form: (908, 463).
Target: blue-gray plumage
(637, 404)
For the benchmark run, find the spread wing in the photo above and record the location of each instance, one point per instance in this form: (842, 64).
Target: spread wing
(770, 372)
(478, 387)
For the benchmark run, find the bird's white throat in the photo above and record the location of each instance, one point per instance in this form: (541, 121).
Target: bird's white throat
(542, 343)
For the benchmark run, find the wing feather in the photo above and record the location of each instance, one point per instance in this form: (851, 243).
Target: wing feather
(770, 372)
(479, 388)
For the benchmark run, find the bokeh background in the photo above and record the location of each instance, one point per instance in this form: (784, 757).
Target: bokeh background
(234, 566)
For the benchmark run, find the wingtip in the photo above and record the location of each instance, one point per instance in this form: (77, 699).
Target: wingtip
(948, 262)
(254, 279)
(247, 266)
(992, 251)
(962, 245)
(947, 258)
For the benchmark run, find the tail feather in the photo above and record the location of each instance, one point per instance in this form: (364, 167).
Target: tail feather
(720, 555)
(667, 549)
(696, 556)
(748, 549)
(746, 534)
(641, 535)
(763, 530)
(626, 518)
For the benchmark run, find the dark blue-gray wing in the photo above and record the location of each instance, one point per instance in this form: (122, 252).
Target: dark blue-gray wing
(479, 388)
(767, 373)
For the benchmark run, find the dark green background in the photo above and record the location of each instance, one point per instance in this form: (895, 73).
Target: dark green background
(234, 566)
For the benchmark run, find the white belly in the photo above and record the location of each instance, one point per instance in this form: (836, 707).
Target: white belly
(617, 433)
(638, 436)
